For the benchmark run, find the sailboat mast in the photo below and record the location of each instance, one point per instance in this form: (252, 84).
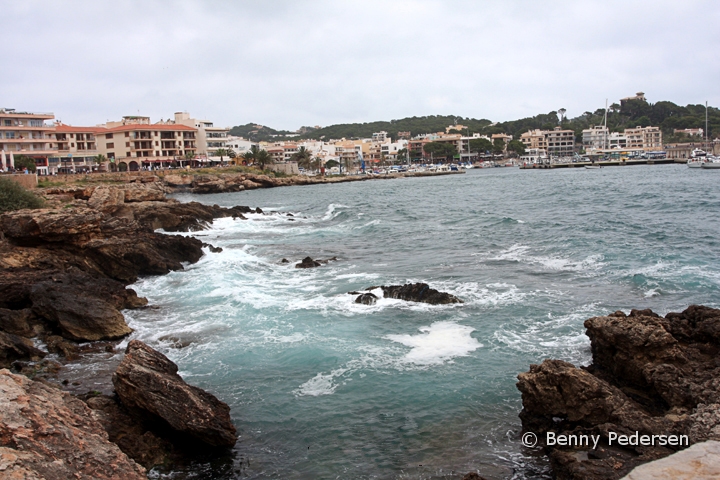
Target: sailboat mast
(606, 133)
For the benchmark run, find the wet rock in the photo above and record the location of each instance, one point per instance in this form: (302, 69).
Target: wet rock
(473, 476)
(212, 248)
(367, 299)
(419, 292)
(258, 210)
(307, 262)
(14, 347)
(46, 433)
(44, 369)
(147, 380)
(79, 316)
(133, 436)
(284, 260)
(652, 375)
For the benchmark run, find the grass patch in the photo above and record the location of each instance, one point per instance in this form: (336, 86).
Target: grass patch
(13, 196)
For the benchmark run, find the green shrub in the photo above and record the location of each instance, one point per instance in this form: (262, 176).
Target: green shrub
(14, 197)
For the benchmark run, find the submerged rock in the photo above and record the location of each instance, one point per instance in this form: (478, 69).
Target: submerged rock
(307, 262)
(367, 299)
(148, 380)
(652, 375)
(419, 292)
(46, 433)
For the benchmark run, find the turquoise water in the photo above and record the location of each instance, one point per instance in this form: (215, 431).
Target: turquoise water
(321, 387)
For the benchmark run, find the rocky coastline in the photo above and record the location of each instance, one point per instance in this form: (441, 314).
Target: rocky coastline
(653, 379)
(64, 271)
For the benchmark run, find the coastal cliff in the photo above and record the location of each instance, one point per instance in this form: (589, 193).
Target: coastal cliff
(64, 271)
(651, 376)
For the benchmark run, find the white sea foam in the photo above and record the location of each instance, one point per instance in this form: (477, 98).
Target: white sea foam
(438, 343)
(320, 384)
(521, 254)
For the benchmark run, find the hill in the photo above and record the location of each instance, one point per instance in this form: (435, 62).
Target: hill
(664, 114)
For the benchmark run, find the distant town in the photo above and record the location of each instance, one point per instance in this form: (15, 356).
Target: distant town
(135, 143)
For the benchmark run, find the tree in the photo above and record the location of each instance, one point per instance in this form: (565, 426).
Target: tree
(189, 156)
(99, 158)
(440, 149)
(231, 154)
(23, 161)
(221, 152)
(251, 155)
(331, 163)
(498, 146)
(303, 157)
(402, 155)
(516, 146)
(263, 158)
(480, 145)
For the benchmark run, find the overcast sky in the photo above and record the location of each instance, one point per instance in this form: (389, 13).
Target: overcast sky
(291, 63)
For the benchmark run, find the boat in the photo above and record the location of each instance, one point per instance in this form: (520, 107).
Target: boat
(592, 167)
(697, 158)
(712, 164)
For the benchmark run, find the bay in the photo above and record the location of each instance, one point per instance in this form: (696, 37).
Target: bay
(321, 387)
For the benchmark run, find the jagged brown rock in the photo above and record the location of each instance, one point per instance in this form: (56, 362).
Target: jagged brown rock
(652, 375)
(148, 380)
(48, 434)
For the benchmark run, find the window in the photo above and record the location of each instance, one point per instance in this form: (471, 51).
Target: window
(36, 123)
(127, 134)
(8, 123)
(71, 135)
(127, 154)
(110, 145)
(127, 144)
(157, 154)
(9, 134)
(108, 135)
(111, 155)
(156, 142)
(72, 144)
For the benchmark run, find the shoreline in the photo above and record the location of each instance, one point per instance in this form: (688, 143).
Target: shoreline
(72, 243)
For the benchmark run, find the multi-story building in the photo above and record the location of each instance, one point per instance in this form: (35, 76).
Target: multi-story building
(595, 138)
(535, 139)
(209, 137)
(25, 133)
(644, 138)
(560, 142)
(77, 149)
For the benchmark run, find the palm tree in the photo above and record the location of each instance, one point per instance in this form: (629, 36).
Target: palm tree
(231, 154)
(251, 155)
(189, 156)
(221, 152)
(303, 157)
(263, 158)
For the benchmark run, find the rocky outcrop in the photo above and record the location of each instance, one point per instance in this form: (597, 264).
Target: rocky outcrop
(650, 376)
(46, 433)
(366, 299)
(419, 292)
(308, 262)
(14, 347)
(147, 380)
(131, 434)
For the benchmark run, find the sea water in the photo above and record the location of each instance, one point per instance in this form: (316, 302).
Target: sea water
(321, 387)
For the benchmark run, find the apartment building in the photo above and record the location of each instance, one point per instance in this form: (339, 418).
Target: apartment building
(209, 137)
(595, 138)
(560, 142)
(77, 149)
(29, 134)
(644, 138)
(534, 139)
